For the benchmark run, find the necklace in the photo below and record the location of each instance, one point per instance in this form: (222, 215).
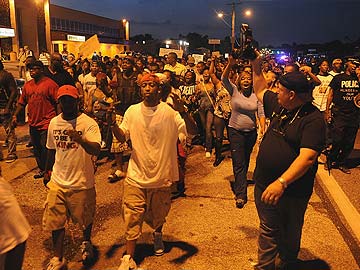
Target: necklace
(280, 129)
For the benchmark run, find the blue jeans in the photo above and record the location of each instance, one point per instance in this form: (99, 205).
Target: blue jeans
(280, 229)
(241, 145)
(207, 118)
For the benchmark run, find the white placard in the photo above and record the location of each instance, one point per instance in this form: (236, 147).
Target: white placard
(165, 51)
(7, 32)
(76, 38)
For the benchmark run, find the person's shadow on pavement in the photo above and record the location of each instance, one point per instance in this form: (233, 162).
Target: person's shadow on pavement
(146, 249)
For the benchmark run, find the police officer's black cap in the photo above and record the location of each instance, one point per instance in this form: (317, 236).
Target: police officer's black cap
(296, 81)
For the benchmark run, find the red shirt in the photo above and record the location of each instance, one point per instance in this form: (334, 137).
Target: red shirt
(41, 100)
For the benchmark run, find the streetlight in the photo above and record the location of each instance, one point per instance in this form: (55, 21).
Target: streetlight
(220, 15)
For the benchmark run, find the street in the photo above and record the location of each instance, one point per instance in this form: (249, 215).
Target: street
(204, 230)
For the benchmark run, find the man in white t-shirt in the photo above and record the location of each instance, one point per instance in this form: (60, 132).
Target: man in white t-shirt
(14, 229)
(154, 129)
(73, 139)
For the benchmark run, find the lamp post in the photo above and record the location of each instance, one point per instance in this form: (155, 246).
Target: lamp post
(126, 27)
(247, 13)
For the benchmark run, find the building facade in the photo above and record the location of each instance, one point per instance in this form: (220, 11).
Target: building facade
(41, 25)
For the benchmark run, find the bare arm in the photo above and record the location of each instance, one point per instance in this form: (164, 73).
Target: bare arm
(92, 148)
(307, 71)
(13, 92)
(298, 168)
(259, 82)
(190, 123)
(213, 77)
(328, 104)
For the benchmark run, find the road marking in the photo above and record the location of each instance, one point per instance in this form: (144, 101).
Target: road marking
(343, 203)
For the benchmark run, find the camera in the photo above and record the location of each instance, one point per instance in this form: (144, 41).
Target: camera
(246, 50)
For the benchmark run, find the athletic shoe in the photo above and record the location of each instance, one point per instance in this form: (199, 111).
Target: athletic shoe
(87, 252)
(240, 203)
(116, 176)
(158, 244)
(11, 158)
(218, 160)
(40, 174)
(56, 264)
(344, 169)
(127, 263)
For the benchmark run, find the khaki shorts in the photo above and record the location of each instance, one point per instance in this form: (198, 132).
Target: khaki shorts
(149, 205)
(62, 204)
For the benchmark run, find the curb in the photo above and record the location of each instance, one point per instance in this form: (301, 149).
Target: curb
(340, 202)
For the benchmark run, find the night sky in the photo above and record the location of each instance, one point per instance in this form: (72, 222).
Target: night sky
(274, 22)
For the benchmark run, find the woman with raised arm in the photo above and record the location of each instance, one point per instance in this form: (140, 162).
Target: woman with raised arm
(242, 128)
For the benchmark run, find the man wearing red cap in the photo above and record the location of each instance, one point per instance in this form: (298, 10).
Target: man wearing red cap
(154, 129)
(73, 139)
(40, 96)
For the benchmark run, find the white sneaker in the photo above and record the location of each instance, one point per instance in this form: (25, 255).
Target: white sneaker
(208, 154)
(56, 264)
(127, 263)
(158, 244)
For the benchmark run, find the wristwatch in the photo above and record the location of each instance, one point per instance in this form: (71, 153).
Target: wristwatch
(283, 182)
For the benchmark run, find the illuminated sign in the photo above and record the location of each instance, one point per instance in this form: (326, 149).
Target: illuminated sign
(75, 38)
(7, 32)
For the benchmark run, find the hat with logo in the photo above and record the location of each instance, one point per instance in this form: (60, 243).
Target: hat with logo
(296, 81)
(67, 90)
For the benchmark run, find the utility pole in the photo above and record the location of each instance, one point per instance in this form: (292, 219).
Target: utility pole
(233, 6)
(232, 26)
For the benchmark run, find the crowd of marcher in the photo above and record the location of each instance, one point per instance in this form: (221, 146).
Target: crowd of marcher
(144, 113)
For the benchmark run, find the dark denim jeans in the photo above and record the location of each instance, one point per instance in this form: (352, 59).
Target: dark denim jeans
(241, 145)
(38, 139)
(280, 229)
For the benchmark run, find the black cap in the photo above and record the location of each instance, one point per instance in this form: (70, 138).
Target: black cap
(296, 81)
(353, 60)
(36, 64)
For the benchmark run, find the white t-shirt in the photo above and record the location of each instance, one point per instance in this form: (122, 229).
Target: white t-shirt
(14, 228)
(73, 167)
(154, 132)
(321, 92)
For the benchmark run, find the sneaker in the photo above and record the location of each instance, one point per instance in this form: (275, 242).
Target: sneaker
(87, 252)
(344, 169)
(11, 158)
(56, 264)
(40, 174)
(116, 176)
(29, 144)
(240, 203)
(218, 160)
(127, 263)
(158, 244)
(207, 154)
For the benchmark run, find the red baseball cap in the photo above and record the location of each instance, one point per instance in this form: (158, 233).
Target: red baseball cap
(67, 90)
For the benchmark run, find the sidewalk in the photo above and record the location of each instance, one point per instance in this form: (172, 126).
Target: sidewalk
(25, 162)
